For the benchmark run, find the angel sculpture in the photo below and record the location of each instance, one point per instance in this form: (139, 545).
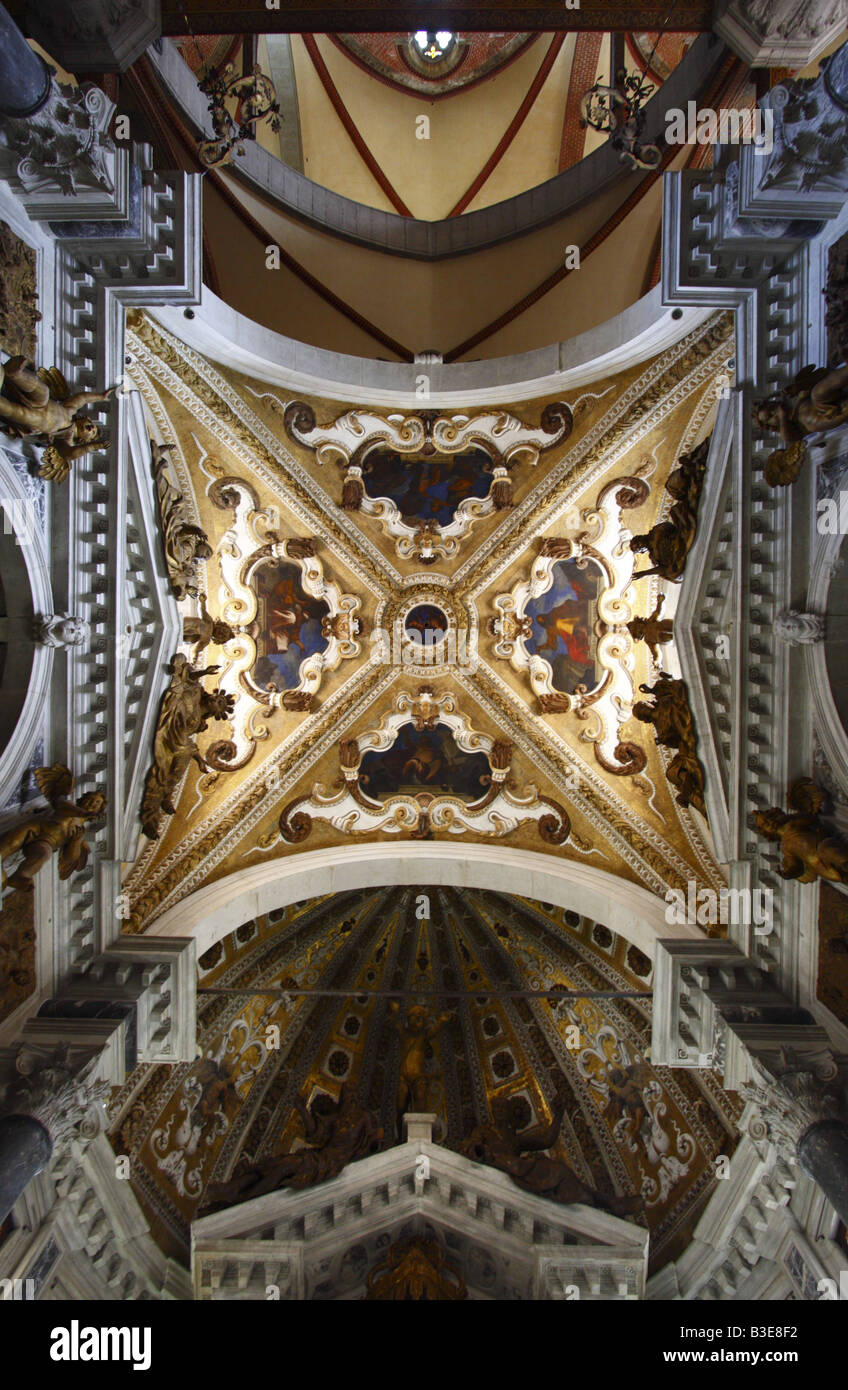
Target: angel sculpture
(185, 712)
(811, 849)
(520, 1153)
(39, 405)
(341, 1135)
(61, 828)
(203, 629)
(185, 543)
(816, 400)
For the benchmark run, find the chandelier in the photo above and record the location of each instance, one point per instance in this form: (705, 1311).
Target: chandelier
(617, 112)
(255, 100)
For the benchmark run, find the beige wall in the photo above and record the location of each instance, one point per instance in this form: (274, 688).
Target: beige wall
(428, 305)
(430, 175)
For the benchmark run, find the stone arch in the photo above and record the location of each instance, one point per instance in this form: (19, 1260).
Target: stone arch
(215, 910)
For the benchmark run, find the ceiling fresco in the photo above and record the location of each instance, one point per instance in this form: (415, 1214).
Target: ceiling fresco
(376, 652)
(472, 961)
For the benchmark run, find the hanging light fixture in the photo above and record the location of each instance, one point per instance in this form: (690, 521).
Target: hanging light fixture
(617, 112)
(255, 100)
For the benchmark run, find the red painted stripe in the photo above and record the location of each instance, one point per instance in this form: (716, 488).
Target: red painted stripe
(728, 69)
(347, 121)
(514, 126)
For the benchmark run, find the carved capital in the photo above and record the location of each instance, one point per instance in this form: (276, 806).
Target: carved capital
(789, 1102)
(65, 1098)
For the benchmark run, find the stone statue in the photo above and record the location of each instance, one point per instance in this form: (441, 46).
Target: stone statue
(185, 543)
(799, 629)
(653, 630)
(60, 630)
(674, 728)
(61, 828)
(347, 1132)
(39, 405)
(203, 629)
(416, 1033)
(816, 400)
(811, 849)
(185, 712)
(522, 1156)
(669, 542)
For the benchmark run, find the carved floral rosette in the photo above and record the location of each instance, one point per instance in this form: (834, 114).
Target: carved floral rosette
(353, 812)
(349, 439)
(602, 542)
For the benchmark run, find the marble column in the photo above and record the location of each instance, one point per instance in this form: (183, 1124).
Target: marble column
(800, 1110)
(25, 1151)
(823, 1156)
(49, 1103)
(24, 76)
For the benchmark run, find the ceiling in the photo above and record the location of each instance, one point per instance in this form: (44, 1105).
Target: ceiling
(186, 1126)
(330, 700)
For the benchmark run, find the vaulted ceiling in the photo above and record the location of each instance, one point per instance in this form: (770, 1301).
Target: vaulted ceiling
(265, 473)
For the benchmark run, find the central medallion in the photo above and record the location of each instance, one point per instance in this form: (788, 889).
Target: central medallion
(426, 624)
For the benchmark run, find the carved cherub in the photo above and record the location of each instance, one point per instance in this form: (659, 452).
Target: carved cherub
(416, 1032)
(811, 849)
(61, 828)
(203, 629)
(185, 712)
(652, 630)
(40, 405)
(816, 400)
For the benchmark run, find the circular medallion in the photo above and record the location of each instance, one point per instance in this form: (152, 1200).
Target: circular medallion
(426, 624)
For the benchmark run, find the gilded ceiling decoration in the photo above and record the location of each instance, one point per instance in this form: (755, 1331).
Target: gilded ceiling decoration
(433, 470)
(495, 569)
(322, 1005)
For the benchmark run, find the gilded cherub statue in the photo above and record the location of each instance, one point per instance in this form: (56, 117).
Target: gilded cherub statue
(417, 1031)
(653, 630)
(674, 727)
(669, 542)
(816, 400)
(344, 1133)
(185, 543)
(185, 712)
(60, 828)
(811, 848)
(39, 405)
(522, 1155)
(203, 629)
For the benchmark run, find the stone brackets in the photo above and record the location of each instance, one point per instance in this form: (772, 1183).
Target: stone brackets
(506, 1244)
